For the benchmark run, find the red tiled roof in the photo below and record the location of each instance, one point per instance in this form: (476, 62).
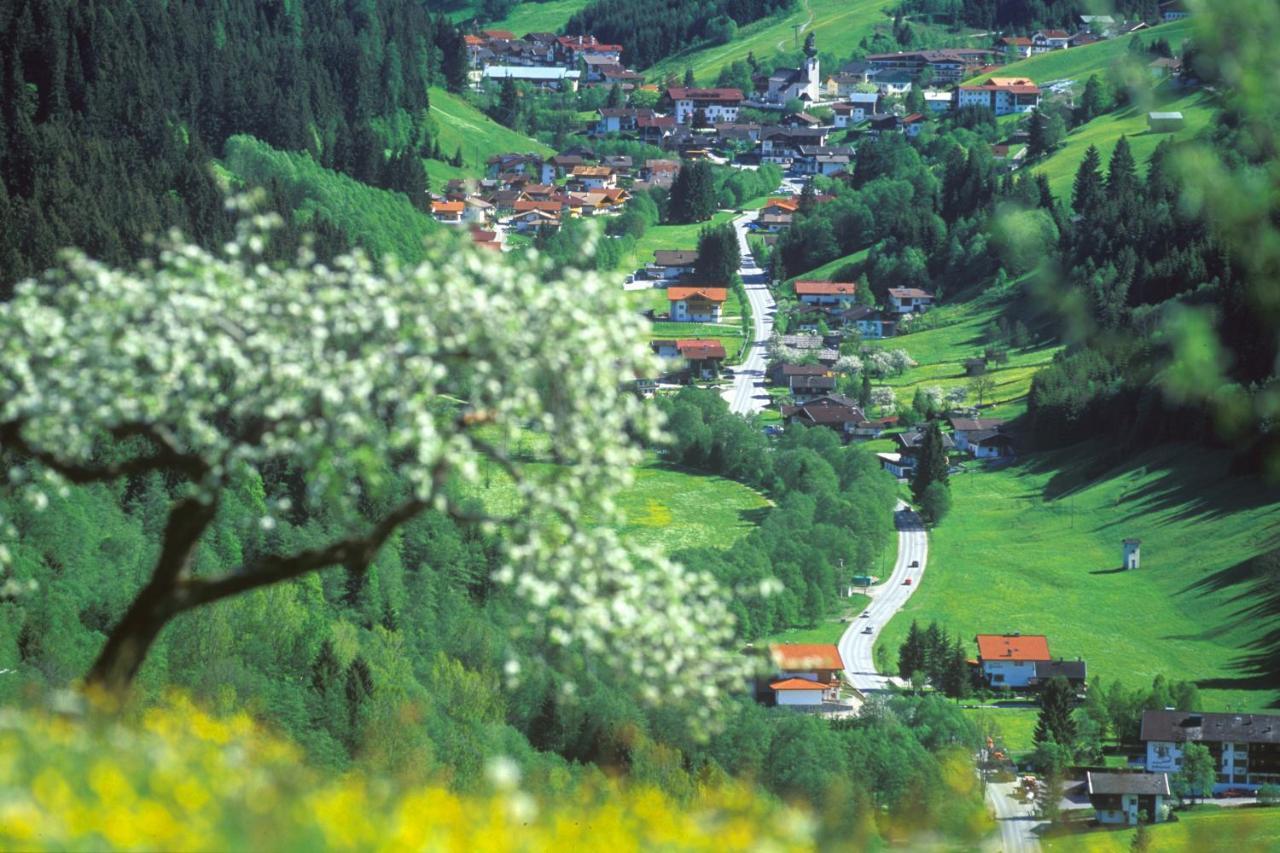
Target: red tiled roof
(1013, 647)
(544, 206)
(797, 684)
(825, 288)
(909, 293)
(1016, 41)
(696, 348)
(501, 35)
(446, 207)
(805, 656)
(711, 294)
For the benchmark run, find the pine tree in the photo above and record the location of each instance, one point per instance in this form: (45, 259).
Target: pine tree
(689, 81)
(911, 654)
(931, 461)
(1093, 102)
(1087, 192)
(955, 675)
(808, 197)
(615, 99)
(1055, 723)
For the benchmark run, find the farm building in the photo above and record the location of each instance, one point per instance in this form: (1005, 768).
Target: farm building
(1165, 122)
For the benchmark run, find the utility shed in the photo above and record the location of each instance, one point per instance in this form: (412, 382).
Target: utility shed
(1164, 122)
(1132, 553)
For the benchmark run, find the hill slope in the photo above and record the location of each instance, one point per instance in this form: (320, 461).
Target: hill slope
(461, 127)
(1035, 548)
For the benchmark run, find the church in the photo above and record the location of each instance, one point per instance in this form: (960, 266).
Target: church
(803, 83)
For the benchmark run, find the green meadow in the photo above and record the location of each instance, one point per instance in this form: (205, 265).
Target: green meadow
(460, 126)
(838, 26)
(1206, 828)
(1035, 547)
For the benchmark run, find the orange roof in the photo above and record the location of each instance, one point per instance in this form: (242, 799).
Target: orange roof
(544, 206)
(797, 684)
(592, 171)
(1013, 647)
(446, 206)
(784, 203)
(711, 294)
(825, 288)
(697, 348)
(805, 656)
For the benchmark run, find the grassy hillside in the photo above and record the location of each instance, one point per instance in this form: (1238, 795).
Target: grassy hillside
(1078, 63)
(1035, 547)
(1198, 109)
(381, 221)
(960, 333)
(838, 25)
(831, 268)
(530, 16)
(671, 509)
(460, 125)
(1208, 828)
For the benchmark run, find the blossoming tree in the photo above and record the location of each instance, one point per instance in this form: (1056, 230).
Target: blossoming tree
(203, 365)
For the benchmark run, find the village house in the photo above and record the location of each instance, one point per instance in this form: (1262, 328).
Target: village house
(822, 160)
(702, 357)
(533, 220)
(780, 145)
(660, 172)
(705, 107)
(617, 120)
(519, 164)
(802, 83)
(492, 240)
(594, 177)
(1045, 41)
(948, 65)
(1127, 798)
(870, 323)
(696, 304)
(780, 373)
(855, 109)
(669, 264)
(938, 101)
(572, 49)
(811, 292)
(834, 411)
(806, 673)
(477, 211)
(1074, 672)
(655, 129)
(1001, 95)
(913, 124)
(1017, 47)
(909, 300)
(1173, 10)
(824, 349)
(890, 84)
(897, 465)
(1245, 747)
(964, 428)
(449, 212)
(546, 79)
(1009, 660)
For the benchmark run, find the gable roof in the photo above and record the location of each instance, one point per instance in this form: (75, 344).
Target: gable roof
(1073, 670)
(968, 424)
(523, 206)
(797, 684)
(698, 348)
(675, 257)
(711, 294)
(1128, 783)
(909, 293)
(810, 287)
(801, 657)
(723, 95)
(447, 207)
(1210, 727)
(1015, 647)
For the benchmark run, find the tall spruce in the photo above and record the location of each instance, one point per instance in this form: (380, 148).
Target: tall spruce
(931, 461)
(1055, 723)
(1087, 193)
(911, 655)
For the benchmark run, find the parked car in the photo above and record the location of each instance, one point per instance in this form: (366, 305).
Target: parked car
(915, 564)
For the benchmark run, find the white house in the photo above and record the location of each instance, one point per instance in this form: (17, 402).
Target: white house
(448, 211)
(990, 444)
(670, 264)
(696, 304)
(909, 300)
(807, 673)
(1245, 747)
(803, 83)
(1132, 553)
(897, 464)
(1123, 798)
(939, 102)
(963, 429)
(705, 106)
(1009, 660)
(855, 109)
(798, 691)
(1001, 95)
(477, 211)
(1047, 40)
(552, 79)
(1173, 10)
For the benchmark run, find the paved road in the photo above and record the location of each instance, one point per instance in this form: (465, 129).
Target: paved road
(748, 396)
(1016, 819)
(856, 647)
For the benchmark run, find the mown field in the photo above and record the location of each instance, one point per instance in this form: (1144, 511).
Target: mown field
(458, 125)
(531, 16)
(1208, 828)
(1198, 109)
(1077, 63)
(838, 26)
(668, 508)
(961, 334)
(1035, 547)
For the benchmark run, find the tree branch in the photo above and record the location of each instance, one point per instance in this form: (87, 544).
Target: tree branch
(167, 456)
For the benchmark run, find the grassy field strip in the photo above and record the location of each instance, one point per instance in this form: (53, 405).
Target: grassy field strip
(1206, 829)
(666, 508)
(1198, 110)
(1035, 547)
(826, 631)
(837, 24)
(1077, 63)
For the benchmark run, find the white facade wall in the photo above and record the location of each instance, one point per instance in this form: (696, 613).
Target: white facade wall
(1009, 673)
(680, 311)
(798, 697)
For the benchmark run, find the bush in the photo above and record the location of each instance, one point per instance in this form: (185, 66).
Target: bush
(936, 502)
(1269, 795)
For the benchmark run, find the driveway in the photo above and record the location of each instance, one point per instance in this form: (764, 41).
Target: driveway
(748, 376)
(856, 647)
(1016, 819)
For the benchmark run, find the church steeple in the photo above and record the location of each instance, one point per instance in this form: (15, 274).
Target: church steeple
(810, 50)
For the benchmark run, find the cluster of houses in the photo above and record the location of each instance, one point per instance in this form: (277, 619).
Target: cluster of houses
(547, 61)
(800, 675)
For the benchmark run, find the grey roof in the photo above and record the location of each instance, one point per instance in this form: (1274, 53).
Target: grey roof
(812, 383)
(674, 258)
(964, 424)
(801, 341)
(1128, 783)
(498, 72)
(1072, 670)
(1180, 726)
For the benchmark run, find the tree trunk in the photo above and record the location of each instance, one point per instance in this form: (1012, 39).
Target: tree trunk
(127, 646)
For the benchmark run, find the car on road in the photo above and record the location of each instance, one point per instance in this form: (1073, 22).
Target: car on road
(866, 614)
(915, 564)
(866, 630)
(907, 582)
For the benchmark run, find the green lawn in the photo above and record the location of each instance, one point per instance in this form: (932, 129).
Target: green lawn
(1035, 547)
(668, 508)
(829, 269)
(960, 335)
(1198, 109)
(1077, 63)
(531, 16)
(457, 124)
(837, 24)
(826, 631)
(1016, 727)
(1206, 829)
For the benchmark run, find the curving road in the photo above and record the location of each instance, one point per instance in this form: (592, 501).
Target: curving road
(1016, 819)
(856, 646)
(748, 396)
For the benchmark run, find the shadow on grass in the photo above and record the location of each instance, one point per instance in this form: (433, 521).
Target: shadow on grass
(755, 516)
(1255, 587)
(1116, 571)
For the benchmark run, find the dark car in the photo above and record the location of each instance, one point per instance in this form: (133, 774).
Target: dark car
(915, 564)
